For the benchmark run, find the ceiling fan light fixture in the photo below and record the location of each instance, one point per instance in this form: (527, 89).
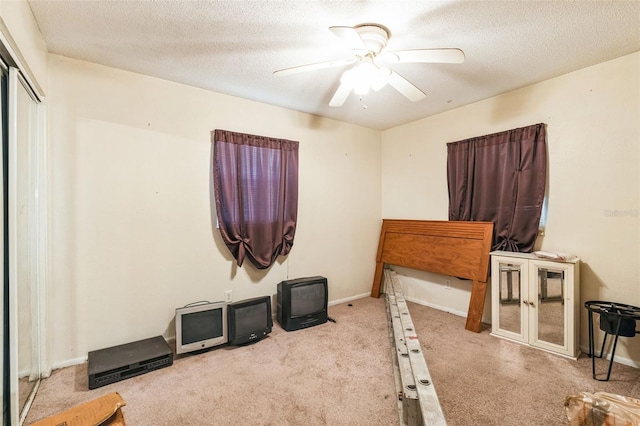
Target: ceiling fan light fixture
(366, 76)
(358, 78)
(361, 89)
(381, 78)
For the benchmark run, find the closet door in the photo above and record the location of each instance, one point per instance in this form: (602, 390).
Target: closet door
(5, 390)
(22, 245)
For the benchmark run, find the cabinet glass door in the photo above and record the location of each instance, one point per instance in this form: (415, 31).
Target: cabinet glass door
(510, 317)
(549, 319)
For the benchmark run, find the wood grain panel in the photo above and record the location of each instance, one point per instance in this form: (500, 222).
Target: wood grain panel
(447, 256)
(454, 248)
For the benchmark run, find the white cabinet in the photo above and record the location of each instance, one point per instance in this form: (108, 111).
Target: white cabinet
(536, 301)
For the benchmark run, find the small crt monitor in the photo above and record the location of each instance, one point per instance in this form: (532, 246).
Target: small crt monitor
(200, 326)
(249, 320)
(302, 302)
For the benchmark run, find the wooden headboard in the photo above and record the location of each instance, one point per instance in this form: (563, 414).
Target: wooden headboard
(454, 248)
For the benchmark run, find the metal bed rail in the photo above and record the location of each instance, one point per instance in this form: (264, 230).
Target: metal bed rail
(418, 400)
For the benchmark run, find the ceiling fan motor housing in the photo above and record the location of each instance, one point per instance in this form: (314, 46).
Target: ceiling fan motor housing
(374, 36)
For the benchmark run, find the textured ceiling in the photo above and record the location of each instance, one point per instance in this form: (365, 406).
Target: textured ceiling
(234, 46)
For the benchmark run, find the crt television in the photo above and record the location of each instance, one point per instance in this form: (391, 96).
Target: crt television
(201, 325)
(249, 320)
(302, 302)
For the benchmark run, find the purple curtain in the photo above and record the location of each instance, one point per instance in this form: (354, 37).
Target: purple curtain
(255, 182)
(500, 178)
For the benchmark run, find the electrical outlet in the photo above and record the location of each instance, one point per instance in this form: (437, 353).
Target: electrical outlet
(228, 296)
(447, 284)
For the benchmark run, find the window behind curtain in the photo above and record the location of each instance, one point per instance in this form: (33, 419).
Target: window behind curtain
(500, 178)
(256, 195)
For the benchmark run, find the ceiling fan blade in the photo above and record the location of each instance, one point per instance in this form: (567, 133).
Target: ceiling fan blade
(350, 38)
(443, 56)
(312, 67)
(405, 88)
(341, 95)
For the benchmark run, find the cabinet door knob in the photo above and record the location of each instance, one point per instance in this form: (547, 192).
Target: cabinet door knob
(532, 304)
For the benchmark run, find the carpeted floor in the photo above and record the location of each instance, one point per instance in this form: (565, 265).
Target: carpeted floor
(332, 374)
(484, 380)
(341, 374)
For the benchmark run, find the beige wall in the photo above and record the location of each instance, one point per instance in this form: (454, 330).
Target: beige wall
(131, 227)
(593, 133)
(20, 31)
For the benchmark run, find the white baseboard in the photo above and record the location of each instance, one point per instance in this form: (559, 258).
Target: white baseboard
(70, 362)
(618, 359)
(585, 349)
(438, 307)
(81, 360)
(349, 299)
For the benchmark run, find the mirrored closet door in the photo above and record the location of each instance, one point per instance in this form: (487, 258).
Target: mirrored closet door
(22, 248)
(4, 391)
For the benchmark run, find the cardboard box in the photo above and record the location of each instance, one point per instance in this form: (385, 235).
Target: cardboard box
(103, 411)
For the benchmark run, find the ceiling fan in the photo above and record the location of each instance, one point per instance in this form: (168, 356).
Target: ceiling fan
(369, 68)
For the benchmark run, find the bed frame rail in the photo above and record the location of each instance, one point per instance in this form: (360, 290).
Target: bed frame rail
(418, 401)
